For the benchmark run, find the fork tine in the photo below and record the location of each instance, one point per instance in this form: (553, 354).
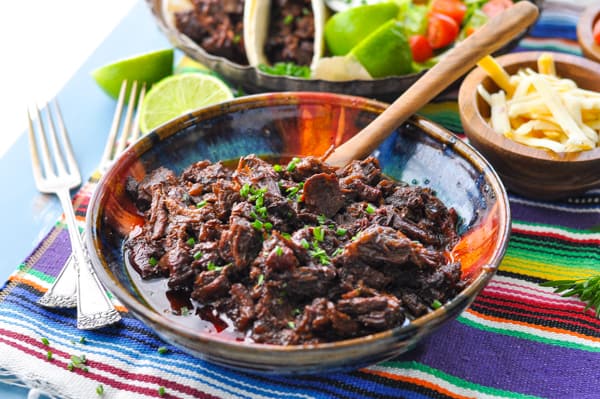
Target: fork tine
(68, 148)
(114, 129)
(135, 129)
(127, 123)
(35, 156)
(58, 155)
(43, 144)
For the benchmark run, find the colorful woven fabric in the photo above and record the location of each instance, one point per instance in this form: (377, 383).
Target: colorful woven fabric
(517, 339)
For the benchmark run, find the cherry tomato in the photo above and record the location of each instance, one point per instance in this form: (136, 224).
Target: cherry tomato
(441, 30)
(420, 48)
(596, 32)
(455, 9)
(495, 7)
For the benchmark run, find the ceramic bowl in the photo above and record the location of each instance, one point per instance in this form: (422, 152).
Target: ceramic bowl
(589, 47)
(301, 123)
(253, 80)
(531, 172)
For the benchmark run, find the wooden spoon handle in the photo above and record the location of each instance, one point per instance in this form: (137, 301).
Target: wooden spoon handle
(458, 61)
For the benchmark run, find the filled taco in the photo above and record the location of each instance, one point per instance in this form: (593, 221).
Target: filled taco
(284, 31)
(215, 25)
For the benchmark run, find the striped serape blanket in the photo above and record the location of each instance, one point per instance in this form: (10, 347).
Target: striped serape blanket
(517, 340)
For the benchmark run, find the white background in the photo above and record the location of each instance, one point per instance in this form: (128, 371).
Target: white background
(42, 44)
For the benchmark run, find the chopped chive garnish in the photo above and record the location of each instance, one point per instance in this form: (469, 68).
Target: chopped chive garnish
(162, 350)
(161, 391)
(268, 225)
(261, 279)
(370, 209)
(184, 311)
(70, 366)
(436, 304)
(197, 255)
(341, 231)
(288, 19)
(277, 168)
(78, 360)
(337, 252)
(278, 250)
(49, 355)
(319, 234)
(260, 200)
(262, 211)
(45, 341)
(292, 165)
(100, 390)
(296, 311)
(257, 224)
(287, 236)
(304, 243)
(82, 340)
(211, 266)
(191, 241)
(201, 204)
(320, 255)
(321, 219)
(152, 261)
(292, 191)
(245, 190)
(291, 324)
(236, 39)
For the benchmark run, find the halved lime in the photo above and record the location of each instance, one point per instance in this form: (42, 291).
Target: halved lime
(149, 68)
(345, 29)
(385, 52)
(177, 94)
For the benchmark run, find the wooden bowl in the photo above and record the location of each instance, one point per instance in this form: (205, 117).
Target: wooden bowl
(584, 32)
(531, 172)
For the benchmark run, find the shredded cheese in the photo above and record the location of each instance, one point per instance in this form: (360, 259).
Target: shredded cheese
(540, 109)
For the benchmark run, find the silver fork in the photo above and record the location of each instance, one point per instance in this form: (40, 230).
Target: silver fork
(129, 129)
(57, 174)
(63, 292)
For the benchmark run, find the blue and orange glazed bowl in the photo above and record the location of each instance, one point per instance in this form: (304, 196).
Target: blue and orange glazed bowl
(300, 124)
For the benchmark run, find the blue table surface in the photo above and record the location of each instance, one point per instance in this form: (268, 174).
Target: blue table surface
(87, 111)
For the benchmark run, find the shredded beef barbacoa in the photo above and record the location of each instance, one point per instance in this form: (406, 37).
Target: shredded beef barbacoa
(298, 253)
(291, 35)
(217, 26)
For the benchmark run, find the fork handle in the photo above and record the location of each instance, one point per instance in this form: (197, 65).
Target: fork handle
(94, 308)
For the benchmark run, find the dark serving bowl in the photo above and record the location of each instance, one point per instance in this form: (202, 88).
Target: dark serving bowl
(301, 123)
(252, 80)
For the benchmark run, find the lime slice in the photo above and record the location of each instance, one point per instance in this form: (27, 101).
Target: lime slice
(386, 51)
(345, 29)
(149, 68)
(178, 94)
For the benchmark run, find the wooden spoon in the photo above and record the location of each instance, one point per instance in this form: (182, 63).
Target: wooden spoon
(457, 62)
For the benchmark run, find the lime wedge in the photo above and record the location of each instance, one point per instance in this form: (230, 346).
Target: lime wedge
(345, 29)
(177, 94)
(385, 52)
(149, 68)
